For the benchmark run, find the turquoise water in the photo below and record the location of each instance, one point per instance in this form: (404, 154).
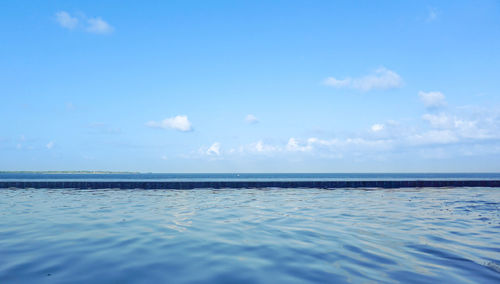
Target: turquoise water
(422, 235)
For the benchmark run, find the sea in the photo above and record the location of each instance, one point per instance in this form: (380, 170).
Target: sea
(257, 235)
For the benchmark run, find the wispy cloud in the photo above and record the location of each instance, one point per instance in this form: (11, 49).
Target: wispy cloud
(103, 128)
(466, 127)
(179, 122)
(213, 152)
(377, 127)
(251, 119)
(261, 147)
(294, 146)
(314, 146)
(438, 120)
(214, 149)
(460, 131)
(433, 137)
(382, 79)
(65, 20)
(50, 145)
(79, 21)
(98, 26)
(432, 99)
(432, 15)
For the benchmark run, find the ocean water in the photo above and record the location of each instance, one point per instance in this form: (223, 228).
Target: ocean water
(425, 235)
(245, 176)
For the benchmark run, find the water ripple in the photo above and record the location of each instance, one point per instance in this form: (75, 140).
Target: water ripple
(250, 236)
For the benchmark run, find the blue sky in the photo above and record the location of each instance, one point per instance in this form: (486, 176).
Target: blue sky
(250, 86)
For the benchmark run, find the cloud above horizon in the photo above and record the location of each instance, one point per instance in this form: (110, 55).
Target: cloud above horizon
(459, 132)
(50, 145)
(377, 127)
(179, 122)
(95, 25)
(65, 20)
(214, 149)
(98, 26)
(432, 99)
(251, 119)
(381, 79)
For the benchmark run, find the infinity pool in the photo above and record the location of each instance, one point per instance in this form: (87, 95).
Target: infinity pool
(250, 235)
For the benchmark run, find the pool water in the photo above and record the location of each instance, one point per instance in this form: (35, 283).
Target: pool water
(295, 235)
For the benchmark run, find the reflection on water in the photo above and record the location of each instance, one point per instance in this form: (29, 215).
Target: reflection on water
(250, 235)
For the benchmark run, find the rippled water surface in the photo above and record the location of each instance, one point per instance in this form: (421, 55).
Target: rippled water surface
(250, 235)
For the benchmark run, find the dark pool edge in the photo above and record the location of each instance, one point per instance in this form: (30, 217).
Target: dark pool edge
(248, 184)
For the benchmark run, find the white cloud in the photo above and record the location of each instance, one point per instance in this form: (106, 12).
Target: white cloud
(470, 129)
(50, 145)
(66, 20)
(438, 120)
(164, 157)
(334, 82)
(382, 79)
(432, 99)
(351, 143)
(478, 128)
(250, 118)
(315, 146)
(458, 132)
(464, 132)
(293, 145)
(94, 25)
(214, 150)
(98, 26)
(377, 127)
(433, 137)
(261, 147)
(179, 122)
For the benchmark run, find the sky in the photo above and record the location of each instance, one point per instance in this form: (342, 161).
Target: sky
(250, 86)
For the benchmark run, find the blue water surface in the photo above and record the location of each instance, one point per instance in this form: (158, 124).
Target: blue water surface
(426, 235)
(244, 176)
